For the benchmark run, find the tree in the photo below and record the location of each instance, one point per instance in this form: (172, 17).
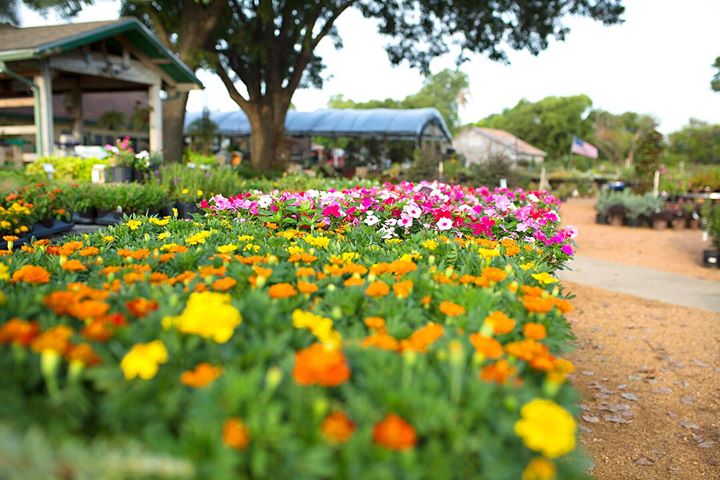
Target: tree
(549, 124)
(715, 83)
(650, 148)
(265, 50)
(9, 9)
(617, 136)
(697, 142)
(184, 27)
(203, 130)
(443, 91)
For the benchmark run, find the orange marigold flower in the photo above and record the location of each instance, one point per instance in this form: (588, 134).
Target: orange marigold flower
(140, 307)
(83, 354)
(89, 252)
(377, 288)
(538, 304)
(19, 331)
(133, 277)
(375, 323)
(31, 274)
(403, 289)
(494, 274)
(319, 365)
(73, 266)
(305, 272)
(201, 376)
(354, 282)
(500, 322)
(563, 305)
(235, 434)
(426, 300)
(535, 331)
(224, 284)
(487, 346)
(527, 349)
(421, 339)
(88, 309)
(282, 290)
(451, 309)
(394, 433)
(497, 372)
(338, 427)
(532, 291)
(381, 340)
(209, 270)
(60, 302)
(307, 287)
(55, 339)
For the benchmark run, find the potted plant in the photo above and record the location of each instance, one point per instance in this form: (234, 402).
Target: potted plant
(108, 201)
(122, 160)
(711, 219)
(84, 212)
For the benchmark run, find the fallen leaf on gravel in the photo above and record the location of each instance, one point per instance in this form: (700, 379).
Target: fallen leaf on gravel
(663, 390)
(590, 419)
(629, 396)
(690, 425)
(644, 461)
(620, 387)
(687, 399)
(587, 373)
(699, 363)
(585, 429)
(615, 419)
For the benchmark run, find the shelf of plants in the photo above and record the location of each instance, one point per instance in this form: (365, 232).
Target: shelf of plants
(397, 331)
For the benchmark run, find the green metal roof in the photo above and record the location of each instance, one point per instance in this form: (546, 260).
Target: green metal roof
(37, 42)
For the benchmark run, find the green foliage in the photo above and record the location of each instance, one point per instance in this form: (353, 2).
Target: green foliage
(650, 148)
(698, 142)
(549, 124)
(426, 164)
(711, 220)
(113, 120)
(706, 180)
(633, 205)
(617, 136)
(199, 158)
(715, 83)
(203, 131)
(66, 168)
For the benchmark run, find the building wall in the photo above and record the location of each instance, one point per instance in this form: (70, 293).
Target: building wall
(476, 148)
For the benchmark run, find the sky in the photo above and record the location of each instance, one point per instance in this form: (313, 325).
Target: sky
(658, 62)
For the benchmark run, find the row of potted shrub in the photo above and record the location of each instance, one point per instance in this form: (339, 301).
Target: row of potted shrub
(627, 208)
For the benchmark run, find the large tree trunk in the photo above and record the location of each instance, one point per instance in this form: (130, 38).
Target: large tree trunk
(173, 122)
(269, 150)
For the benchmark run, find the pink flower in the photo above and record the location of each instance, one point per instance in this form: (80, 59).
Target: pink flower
(405, 221)
(567, 249)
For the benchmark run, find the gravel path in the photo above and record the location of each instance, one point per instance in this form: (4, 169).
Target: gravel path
(676, 251)
(645, 283)
(649, 375)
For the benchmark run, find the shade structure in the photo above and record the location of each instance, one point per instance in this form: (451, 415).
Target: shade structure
(386, 123)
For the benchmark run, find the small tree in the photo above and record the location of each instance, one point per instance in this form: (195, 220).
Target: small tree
(647, 161)
(203, 131)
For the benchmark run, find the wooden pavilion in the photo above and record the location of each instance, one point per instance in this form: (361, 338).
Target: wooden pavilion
(72, 68)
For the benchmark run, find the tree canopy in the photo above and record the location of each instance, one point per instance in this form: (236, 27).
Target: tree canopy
(444, 91)
(697, 142)
(618, 136)
(10, 9)
(549, 124)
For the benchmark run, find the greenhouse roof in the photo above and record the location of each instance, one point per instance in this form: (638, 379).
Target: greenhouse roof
(377, 122)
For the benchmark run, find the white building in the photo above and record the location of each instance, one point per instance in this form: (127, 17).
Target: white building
(478, 144)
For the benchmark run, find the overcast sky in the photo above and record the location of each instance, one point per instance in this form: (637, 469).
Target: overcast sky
(657, 62)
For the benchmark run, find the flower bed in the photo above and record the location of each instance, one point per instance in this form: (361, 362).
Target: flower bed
(388, 332)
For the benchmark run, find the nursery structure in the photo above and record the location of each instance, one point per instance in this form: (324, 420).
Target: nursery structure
(49, 73)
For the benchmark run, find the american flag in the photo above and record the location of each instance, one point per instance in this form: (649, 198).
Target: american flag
(583, 148)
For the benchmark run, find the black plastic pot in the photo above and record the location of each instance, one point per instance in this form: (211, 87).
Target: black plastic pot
(166, 212)
(48, 229)
(122, 174)
(107, 217)
(185, 209)
(85, 217)
(601, 218)
(711, 258)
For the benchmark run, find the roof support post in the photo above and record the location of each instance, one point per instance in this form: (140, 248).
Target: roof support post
(155, 123)
(44, 110)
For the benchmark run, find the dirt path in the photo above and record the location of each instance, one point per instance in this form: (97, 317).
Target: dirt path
(649, 374)
(677, 251)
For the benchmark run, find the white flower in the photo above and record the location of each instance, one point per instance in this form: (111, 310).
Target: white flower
(533, 198)
(391, 222)
(413, 211)
(143, 155)
(387, 232)
(444, 224)
(264, 201)
(371, 220)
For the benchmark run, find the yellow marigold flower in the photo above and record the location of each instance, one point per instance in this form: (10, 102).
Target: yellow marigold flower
(163, 236)
(198, 238)
(321, 242)
(488, 253)
(321, 327)
(158, 221)
(544, 278)
(229, 248)
(527, 266)
(108, 238)
(144, 359)
(546, 427)
(134, 224)
(246, 238)
(209, 315)
(539, 469)
(430, 244)
(4, 275)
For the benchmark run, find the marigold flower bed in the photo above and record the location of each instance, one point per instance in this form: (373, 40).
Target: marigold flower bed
(403, 331)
